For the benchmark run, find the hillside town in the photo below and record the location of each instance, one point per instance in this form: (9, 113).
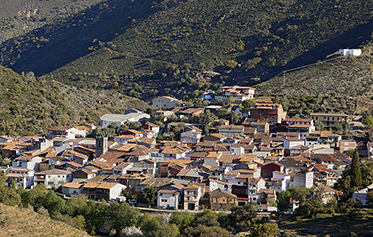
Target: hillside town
(229, 164)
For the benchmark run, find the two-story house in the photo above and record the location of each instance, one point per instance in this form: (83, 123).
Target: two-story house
(53, 178)
(192, 195)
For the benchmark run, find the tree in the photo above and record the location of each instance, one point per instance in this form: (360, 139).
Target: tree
(170, 230)
(370, 197)
(54, 204)
(264, 230)
(123, 128)
(134, 125)
(182, 219)
(243, 215)
(236, 117)
(8, 195)
(148, 223)
(319, 126)
(148, 195)
(344, 183)
(122, 215)
(311, 208)
(368, 122)
(207, 218)
(206, 231)
(356, 180)
(247, 104)
(300, 194)
(230, 100)
(230, 64)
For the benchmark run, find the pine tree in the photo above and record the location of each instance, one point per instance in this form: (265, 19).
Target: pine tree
(356, 180)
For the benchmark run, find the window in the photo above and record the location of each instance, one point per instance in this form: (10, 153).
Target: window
(58, 176)
(173, 195)
(164, 200)
(160, 194)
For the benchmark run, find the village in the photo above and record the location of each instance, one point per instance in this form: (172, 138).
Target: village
(229, 164)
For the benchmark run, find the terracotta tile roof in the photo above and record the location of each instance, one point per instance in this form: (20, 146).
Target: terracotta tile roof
(168, 191)
(192, 186)
(91, 185)
(73, 185)
(240, 127)
(300, 126)
(53, 172)
(101, 164)
(113, 157)
(228, 158)
(319, 167)
(60, 128)
(221, 193)
(107, 185)
(72, 163)
(304, 120)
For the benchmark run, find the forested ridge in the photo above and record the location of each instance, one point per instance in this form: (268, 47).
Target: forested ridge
(167, 44)
(30, 105)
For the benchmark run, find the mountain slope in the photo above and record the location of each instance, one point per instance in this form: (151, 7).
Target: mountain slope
(18, 17)
(167, 42)
(29, 105)
(345, 75)
(24, 222)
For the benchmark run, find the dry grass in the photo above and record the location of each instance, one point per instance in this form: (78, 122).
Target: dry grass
(339, 226)
(24, 222)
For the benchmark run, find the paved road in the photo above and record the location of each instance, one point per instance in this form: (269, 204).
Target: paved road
(356, 124)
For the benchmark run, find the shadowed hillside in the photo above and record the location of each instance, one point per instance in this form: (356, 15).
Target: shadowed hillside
(165, 44)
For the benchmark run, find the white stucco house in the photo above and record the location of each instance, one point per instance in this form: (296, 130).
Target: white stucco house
(72, 188)
(53, 178)
(22, 176)
(168, 198)
(362, 194)
(26, 162)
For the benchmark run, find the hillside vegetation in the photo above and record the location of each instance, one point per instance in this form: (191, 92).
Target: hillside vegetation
(166, 43)
(29, 105)
(25, 222)
(18, 17)
(345, 75)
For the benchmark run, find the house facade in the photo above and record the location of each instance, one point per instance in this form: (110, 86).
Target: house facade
(53, 178)
(329, 120)
(272, 113)
(238, 93)
(165, 102)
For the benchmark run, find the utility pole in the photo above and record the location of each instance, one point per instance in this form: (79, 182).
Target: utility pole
(284, 78)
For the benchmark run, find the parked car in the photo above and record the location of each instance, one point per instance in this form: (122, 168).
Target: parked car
(133, 202)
